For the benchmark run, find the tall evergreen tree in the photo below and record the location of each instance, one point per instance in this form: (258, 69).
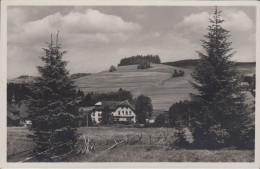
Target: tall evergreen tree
(217, 81)
(52, 105)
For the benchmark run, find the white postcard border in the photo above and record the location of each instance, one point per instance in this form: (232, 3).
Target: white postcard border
(3, 84)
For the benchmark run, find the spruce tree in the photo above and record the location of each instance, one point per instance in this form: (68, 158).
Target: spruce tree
(218, 85)
(52, 105)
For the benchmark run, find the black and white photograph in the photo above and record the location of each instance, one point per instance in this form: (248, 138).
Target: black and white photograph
(130, 83)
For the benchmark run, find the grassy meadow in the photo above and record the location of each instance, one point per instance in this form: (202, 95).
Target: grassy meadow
(155, 82)
(145, 150)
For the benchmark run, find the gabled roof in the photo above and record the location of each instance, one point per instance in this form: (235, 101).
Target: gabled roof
(12, 108)
(112, 105)
(126, 103)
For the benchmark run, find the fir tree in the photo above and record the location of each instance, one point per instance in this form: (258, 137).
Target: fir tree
(52, 105)
(217, 81)
(105, 116)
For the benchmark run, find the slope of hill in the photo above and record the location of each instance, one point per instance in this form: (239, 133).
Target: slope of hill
(155, 82)
(21, 79)
(188, 63)
(246, 68)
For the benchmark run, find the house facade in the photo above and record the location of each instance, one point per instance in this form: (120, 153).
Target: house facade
(119, 111)
(124, 112)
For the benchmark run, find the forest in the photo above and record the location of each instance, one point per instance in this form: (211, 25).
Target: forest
(134, 60)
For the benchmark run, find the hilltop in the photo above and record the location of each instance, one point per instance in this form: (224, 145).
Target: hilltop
(22, 79)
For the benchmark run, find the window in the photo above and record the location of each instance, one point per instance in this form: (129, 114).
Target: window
(118, 112)
(126, 113)
(129, 112)
(123, 112)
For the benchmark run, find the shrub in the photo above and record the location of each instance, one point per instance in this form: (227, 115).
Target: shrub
(183, 139)
(247, 138)
(210, 136)
(159, 121)
(112, 68)
(179, 73)
(144, 65)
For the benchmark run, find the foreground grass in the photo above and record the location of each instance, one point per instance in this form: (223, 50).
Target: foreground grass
(148, 153)
(143, 151)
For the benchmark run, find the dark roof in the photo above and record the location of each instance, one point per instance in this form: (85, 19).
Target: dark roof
(15, 112)
(126, 103)
(12, 108)
(12, 116)
(112, 105)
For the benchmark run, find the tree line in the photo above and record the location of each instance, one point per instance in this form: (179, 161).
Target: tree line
(134, 60)
(183, 63)
(91, 98)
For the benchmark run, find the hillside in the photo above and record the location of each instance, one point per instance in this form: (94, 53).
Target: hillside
(155, 82)
(22, 79)
(246, 68)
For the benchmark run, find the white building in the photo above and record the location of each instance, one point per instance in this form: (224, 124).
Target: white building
(120, 111)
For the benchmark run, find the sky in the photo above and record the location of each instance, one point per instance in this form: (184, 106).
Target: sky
(98, 37)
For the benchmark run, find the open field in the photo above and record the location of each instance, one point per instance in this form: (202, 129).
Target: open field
(155, 82)
(145, 150)
(18, 142)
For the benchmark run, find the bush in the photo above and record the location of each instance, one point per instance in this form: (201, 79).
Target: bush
(218, 136)
(144, 65)
(112, 68)
(179, 73)
(159, 121)
(183, 139)
(210, 136)
(79, 75)
(247, 138)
